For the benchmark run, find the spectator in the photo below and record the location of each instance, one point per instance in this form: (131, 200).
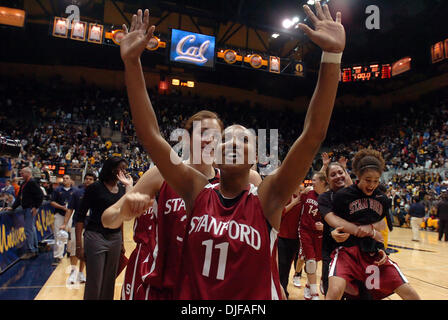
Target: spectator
(102, 245)
(15, 184)
(75, 205)
(416, 213)
(442, 213)
(60, 199)
(8, 188)
(401, 217)
(30, 198)
(46, 189)
(6, 200)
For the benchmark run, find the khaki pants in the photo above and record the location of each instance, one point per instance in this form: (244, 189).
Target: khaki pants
(59, 246)
(415, 226)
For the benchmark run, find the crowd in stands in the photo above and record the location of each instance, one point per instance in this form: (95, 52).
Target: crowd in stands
(74, 126)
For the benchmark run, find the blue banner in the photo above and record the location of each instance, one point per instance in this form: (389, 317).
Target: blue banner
(44, 222)
(12, 233)
(192, 48)
(12, 238)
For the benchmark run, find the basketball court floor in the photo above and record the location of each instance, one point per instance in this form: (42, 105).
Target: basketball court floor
(424, 263)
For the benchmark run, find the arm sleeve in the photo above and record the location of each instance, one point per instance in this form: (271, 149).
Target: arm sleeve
(325, 205)
(73, 201)
(339, 204)
(386, 209)
(37, 195)
(16, 203)
(80, 215)
(54, 195)
(411, 210)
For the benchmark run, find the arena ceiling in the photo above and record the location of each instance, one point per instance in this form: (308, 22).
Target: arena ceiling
(407, 28)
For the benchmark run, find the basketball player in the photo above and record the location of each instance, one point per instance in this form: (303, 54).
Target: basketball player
(337, 179)
(337, 230)
(153, 265)
(232, 226)
(310, 232)
(361, 259)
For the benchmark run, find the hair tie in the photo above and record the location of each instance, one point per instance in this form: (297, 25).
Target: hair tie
(370, 166)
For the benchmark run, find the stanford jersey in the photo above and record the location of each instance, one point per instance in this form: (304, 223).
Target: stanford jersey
(144, 237)
(355, 260)
(290, 222)
(310, 212)
(153, 267)
(230, 250)
(354, 206)
(310, 238)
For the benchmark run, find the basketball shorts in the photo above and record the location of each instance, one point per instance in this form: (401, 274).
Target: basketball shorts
(355, 266)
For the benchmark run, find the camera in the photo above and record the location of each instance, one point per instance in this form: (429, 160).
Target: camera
(9, 147)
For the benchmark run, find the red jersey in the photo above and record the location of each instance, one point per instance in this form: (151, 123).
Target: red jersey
(310, 212)
(153, 272)
(144, 237)
(229, 252)
(290, 222)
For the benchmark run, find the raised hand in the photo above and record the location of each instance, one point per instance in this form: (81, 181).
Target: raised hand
(307, 190)
(125, 179)
(343, 161)
(138, 36)
(325, 159)
(329, 35)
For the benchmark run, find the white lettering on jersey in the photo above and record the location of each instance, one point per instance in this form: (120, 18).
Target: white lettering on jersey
(236, 231)
(365, 203)
(174, 205)
(312, 202)
(150, 212)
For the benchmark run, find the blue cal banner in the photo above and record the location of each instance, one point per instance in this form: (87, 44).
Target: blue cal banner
(12, 233)
(12, 237)
(44, 222)
(192, 48)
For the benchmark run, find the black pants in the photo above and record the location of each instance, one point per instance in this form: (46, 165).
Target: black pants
(102, 253)
(443, 229)
(287, 250)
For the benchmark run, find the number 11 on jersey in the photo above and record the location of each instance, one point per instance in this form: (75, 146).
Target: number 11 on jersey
(223, 249)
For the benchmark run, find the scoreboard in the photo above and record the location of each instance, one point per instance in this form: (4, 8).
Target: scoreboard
(366, 73)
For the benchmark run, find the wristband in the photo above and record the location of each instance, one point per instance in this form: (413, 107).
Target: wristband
(329, 57)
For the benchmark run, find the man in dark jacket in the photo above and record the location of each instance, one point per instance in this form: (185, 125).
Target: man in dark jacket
(30, 198)
(417, 213)
(442, 213)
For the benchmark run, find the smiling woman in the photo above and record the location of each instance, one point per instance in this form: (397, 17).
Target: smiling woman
(218, 262)
(362, 257)
(368, 165)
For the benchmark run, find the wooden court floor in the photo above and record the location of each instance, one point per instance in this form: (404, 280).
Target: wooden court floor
(424, 263)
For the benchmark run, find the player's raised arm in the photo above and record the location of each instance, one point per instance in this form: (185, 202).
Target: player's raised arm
(186, 181)
(276, 189)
